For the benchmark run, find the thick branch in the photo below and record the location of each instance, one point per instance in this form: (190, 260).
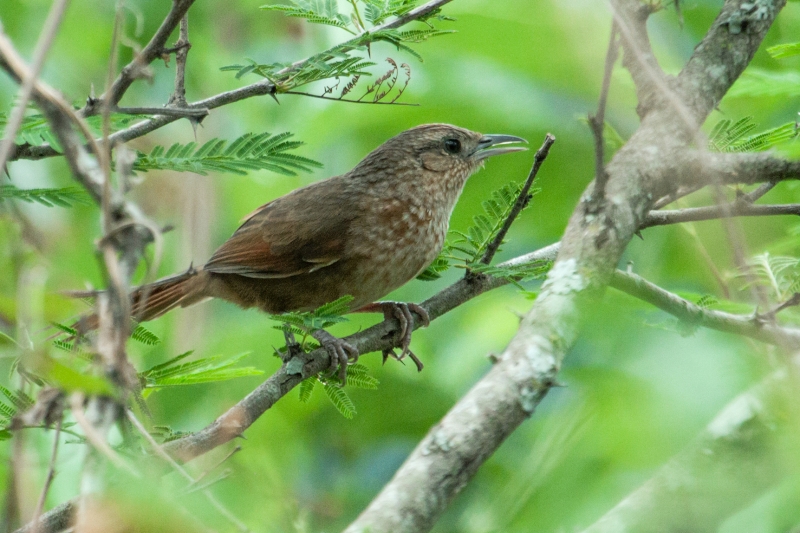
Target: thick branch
(723, 54)
(593, 243)
(730, 464)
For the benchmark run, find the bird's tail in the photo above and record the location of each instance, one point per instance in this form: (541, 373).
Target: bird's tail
(154, 299)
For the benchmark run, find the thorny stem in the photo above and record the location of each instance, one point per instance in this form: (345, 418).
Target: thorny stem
(521, 201)
(182, 46)
(597, 121)
(51, 472)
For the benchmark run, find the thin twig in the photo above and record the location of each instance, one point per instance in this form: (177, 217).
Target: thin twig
(133, 70)
(166, 111)
(182, 471)
(49, 30)
(598, 120)
(348, 101)
(522, 199)
(178, 98)
(715, 212)
(99, 443)
(758, 192)
(51, 472)
(230, 454)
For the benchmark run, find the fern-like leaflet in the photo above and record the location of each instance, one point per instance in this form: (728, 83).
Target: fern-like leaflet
(63, 197)
(249, 152)
(729, 136)
(175, 372)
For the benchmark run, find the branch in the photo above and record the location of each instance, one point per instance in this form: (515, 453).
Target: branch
(259, 88)
(686, 311)
(238, 418)
(700, 168)
(133, 70)
(723, 54)
(722, 471)
(735, 209)
(522, 199)
(598, 120)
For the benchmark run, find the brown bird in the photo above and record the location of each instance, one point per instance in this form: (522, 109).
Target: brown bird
(363, 233)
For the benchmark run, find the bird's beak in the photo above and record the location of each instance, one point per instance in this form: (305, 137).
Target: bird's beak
(487, 141)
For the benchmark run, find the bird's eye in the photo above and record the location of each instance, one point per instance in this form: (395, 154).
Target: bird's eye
(453, 146)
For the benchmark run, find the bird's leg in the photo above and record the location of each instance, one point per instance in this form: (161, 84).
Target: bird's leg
(402, 312)
(339, 350)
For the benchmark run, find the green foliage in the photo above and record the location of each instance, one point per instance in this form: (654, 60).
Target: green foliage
(251, 151)
(166, 434)
(779, 274)
(357, 376)
(337, 62)
(729, 136)
(780, 51)
(468, 248)
(63, 197)
(35, 129)
(314, 11)
(340, 400)
(145, 336)
(207, 370)
(17, 402)
(303, 323)
(760, 83)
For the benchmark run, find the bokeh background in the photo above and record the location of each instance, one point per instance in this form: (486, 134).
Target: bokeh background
(637, 389)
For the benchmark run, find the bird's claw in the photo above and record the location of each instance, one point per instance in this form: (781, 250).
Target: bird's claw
(340, 351)
(389, 352)
(402, 312)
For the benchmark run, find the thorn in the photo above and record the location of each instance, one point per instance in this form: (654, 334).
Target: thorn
(639, 234)
(275, 97)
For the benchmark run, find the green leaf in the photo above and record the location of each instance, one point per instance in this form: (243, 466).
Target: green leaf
(728, 136)
(306, 388)
(324, 316)
(780, 51)
(755, 82)
(145, 336)
(340, 400)
(18, 398)
(249, 152)
(64, 197)
(207, 370)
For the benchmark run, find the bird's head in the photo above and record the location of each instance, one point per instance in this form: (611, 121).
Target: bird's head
(453, 152)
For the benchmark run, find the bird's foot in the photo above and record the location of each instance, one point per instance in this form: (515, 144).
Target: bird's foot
(402, 312)
(389, 352)
(340, 352)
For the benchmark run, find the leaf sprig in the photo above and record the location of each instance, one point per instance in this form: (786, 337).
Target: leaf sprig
(729, 136)
(465, 249)
(61, 197)
(357, 376)
(251, 151)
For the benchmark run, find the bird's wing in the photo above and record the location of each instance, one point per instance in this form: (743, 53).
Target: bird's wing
(296, 234)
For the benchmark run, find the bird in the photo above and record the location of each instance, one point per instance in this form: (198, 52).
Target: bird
(363, 233)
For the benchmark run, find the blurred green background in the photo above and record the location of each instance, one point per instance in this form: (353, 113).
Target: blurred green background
(636, 390)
